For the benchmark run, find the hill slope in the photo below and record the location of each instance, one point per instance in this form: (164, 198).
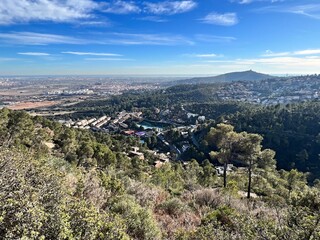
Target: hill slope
(228, 77)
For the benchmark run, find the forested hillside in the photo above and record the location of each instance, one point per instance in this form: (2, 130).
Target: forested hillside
(228, 77)
(290, 129)
(61, 183)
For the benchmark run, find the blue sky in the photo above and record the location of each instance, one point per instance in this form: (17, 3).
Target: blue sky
(186, 37)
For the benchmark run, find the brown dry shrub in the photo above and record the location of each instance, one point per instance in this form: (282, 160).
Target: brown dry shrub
(146, 195)
(92, 189)
(208, 197)
(70, 183)
(170, 225)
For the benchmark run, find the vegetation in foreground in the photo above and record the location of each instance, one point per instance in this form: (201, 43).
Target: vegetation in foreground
(60, 183)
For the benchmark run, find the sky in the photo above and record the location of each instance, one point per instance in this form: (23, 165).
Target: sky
(166, 37)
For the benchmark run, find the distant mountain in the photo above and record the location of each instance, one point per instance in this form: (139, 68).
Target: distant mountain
(228, 77)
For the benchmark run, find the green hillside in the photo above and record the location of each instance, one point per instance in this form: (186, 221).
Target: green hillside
(227, 77)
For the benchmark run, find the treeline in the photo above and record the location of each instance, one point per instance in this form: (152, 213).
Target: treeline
(85, 187)
(292, 130)
(145, 101)
(216, 110)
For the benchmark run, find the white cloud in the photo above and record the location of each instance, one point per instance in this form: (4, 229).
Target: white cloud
(3, 59)
(242, 1)
(84, 12)
(214, 38)
(224, 19)
(294, 63)
(311, 10)
(92, 54)
(147, 39)
(169, 7)
(40, 54)
(270, 53)
(283, 64)
(102, 23)
(121, 7)
(308, 10)
(205, 55)
(22, 11)
(209, 55)
(31, 38)
(153, 19)
(108, 59)
(306, 52)
(251, 1)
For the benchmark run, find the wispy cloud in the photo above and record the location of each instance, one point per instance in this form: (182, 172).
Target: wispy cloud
(153, 19)
(208, 55)
(92, 54)
(308, 10)
(108, 59)
(242, 1)
(157, 8)
(3, 59)
(121, 7)
(95, 23)
(84, 12)
(251, 1)
(22, 11)
(285, 61)
(270, 53)
(40, 54)
(223, 19)
(214, 38)
(204, 55)
(305, 52)
(148, 39)
(32, 38)
(169, 7)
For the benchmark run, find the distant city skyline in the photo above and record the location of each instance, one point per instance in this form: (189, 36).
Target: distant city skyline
(148, 37)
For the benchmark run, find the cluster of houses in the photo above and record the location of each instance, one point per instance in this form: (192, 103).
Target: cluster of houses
(119, 121)
(5, 82)
(87, 123)
(104, 123)
(71, 92)
(161, 158)
(273, 91)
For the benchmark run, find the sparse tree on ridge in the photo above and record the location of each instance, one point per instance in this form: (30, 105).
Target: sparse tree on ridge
(225, 139)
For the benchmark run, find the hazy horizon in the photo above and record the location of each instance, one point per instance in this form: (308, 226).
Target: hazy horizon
(147, 75)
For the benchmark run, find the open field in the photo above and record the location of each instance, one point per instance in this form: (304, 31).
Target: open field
(46, 113)
(21, 92)
(31, 105)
